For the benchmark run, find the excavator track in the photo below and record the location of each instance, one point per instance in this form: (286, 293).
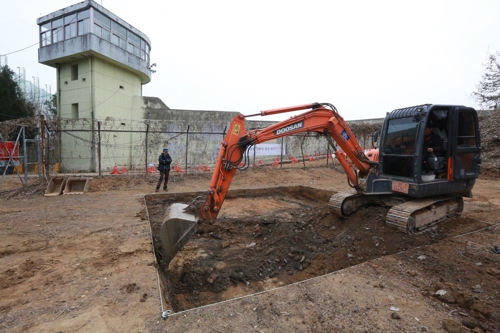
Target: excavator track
(343, 203)
(417, 215)
(346, 203)
(406, 214)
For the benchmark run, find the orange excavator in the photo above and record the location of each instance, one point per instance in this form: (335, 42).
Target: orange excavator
(420, 187)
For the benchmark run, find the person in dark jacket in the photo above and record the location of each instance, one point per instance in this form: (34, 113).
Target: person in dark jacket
(432, 144)
(164, 168)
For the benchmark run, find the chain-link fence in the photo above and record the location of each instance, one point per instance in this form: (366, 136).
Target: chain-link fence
(20, 153)
(102, 145)
(75, 146)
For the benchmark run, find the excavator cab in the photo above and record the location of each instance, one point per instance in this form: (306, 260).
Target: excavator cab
(453, 165)
(430, 184)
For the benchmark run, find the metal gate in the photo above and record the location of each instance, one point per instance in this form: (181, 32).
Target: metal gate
(20, 161)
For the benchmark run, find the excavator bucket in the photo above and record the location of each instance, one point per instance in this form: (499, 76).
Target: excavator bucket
(176, 230)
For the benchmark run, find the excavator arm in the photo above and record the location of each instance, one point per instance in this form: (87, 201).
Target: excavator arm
(409, 213)
(319, 118)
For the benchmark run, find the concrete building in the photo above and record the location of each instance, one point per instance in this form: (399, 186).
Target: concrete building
(101, 61)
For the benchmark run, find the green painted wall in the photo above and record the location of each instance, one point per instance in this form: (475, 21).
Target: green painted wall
(103, 90)
(114, 88)
(102, 86)
(75, 91)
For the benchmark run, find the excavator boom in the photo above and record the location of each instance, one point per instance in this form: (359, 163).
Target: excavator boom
(181, 219)
(319, 118)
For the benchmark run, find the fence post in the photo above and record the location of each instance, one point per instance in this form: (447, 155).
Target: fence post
(187, 148)
(302, 149)
(327, 154)
(48, 154)
(99, 146)
(146, 152)
(25, 157)
(223, 136)
(42, 148)
(92, 147)
(254, 154)
(47, 151)
(38, 145)
(281, 162)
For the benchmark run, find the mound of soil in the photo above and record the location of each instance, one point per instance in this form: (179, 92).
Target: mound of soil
(84, 263)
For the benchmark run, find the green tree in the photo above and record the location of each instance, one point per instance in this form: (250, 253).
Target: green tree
(488, 89)
(13, 104)
(50, 107)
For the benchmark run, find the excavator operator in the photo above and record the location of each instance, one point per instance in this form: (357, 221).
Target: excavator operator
(432, 144)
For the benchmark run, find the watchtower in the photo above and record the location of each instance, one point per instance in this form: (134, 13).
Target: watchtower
(101, 61)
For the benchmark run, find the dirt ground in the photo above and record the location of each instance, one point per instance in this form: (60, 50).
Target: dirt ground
(84, 263)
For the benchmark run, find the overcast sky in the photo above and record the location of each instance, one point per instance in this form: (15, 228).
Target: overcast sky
(364, 57)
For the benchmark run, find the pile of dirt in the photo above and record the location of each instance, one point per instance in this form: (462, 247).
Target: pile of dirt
(84, 263)
(245, 255)
(121, 182)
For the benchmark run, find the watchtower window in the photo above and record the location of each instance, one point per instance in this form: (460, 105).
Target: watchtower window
(83, 19)
(74, 111)
(74, 72)
(83, 27)
(57, 30)
(102, 25)
(70, 26)
(45, 34)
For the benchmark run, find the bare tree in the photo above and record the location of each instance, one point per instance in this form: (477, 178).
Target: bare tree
(488, 89)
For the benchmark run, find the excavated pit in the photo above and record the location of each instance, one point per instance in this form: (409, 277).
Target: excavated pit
(272, 237)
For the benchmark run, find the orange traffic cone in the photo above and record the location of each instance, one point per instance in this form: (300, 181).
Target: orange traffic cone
(199, 168)
(124, 169)
(260, 162)
(312, 158)
(207, 168)
(115, 171)
(151, 168)
(276, 161)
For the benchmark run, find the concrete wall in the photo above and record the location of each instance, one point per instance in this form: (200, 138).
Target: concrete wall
(75, 91)
(204, 147)
(192, 136)
(103, 88)
(114, 89)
